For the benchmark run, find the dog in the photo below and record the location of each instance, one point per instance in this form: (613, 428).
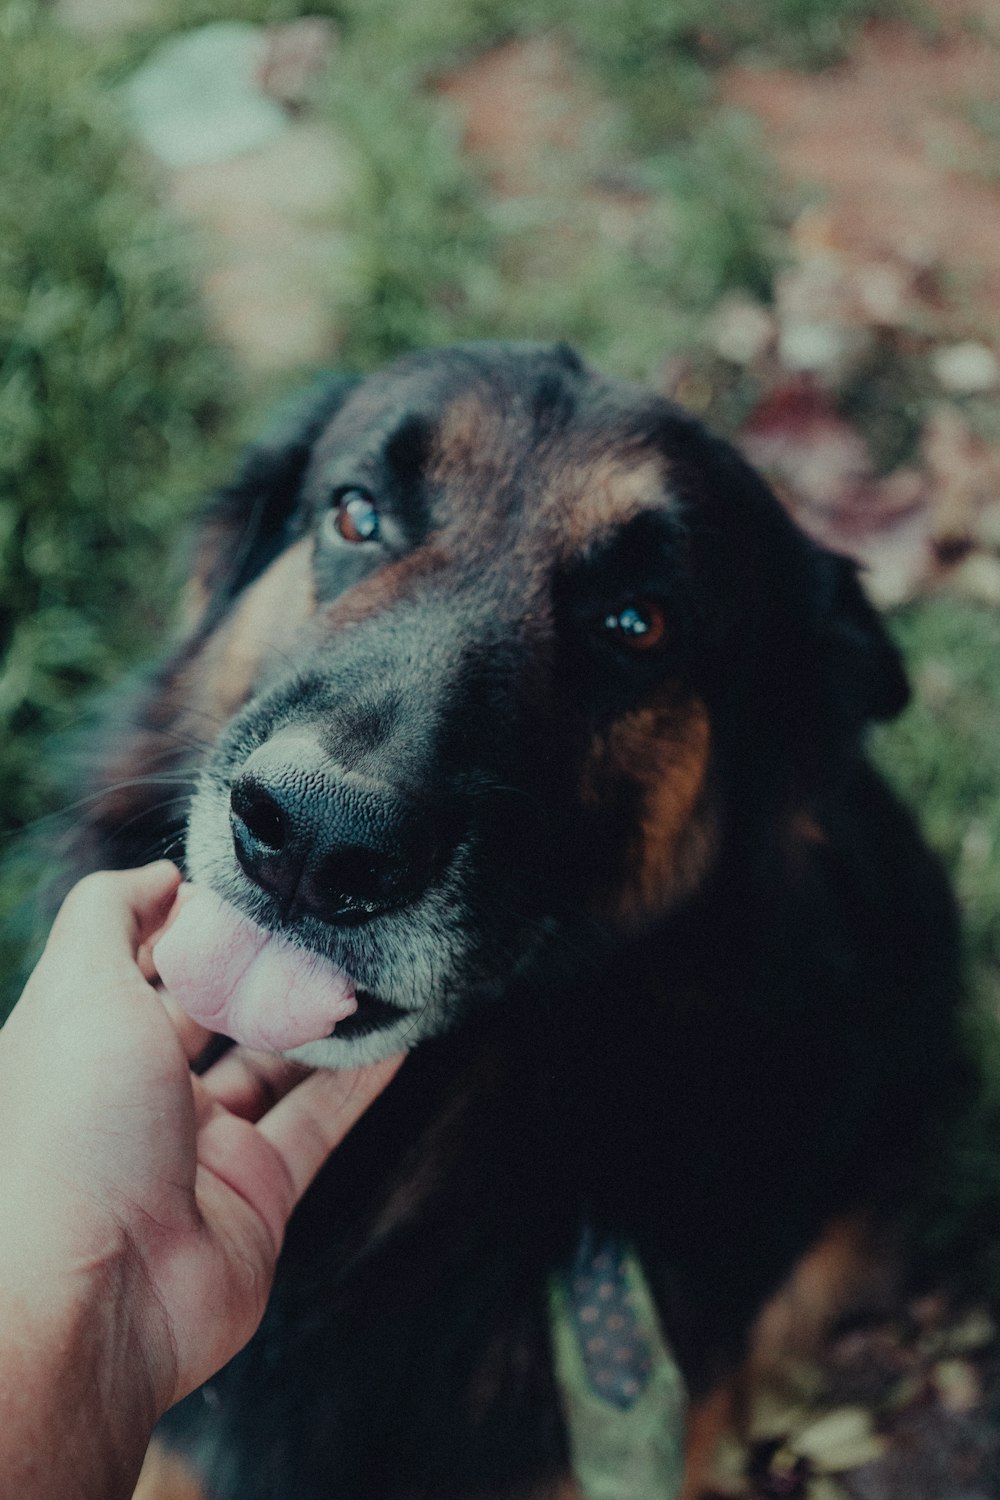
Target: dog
(515, 693)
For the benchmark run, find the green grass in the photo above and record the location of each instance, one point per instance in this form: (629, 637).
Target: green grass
(944, 757)
(438, 257)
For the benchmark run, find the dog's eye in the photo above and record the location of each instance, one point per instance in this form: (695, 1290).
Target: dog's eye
(354, 517)
(638, 626)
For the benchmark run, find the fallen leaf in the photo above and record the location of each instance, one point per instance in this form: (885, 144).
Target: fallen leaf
(797, 434)
(964, 473)
(840, 1440)
(978, 577)
(957, 1384)
(966, 368)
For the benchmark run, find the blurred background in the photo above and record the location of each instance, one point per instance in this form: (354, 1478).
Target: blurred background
(785, 213)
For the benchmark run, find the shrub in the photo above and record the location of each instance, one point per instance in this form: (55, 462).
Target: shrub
(109, 399)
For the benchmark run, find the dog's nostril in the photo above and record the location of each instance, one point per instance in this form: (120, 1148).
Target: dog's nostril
(260, 814)
(323, 845)
(362, 875)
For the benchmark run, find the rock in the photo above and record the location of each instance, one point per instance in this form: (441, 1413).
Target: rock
(197, 99)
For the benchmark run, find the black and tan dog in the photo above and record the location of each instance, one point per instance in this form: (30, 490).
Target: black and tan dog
(517, 694)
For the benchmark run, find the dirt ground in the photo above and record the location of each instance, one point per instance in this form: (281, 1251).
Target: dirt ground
(891, 145)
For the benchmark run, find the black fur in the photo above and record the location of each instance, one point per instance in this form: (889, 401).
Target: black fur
(716, 1078)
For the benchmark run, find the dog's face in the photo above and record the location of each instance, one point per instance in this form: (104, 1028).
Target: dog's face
(489, 636)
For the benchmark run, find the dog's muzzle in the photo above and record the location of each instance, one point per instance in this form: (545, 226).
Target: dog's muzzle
(327, 842)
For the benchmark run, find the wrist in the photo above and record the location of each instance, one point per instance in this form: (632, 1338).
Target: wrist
(78, 1400)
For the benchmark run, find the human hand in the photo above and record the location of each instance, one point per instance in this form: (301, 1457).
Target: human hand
(153, 1201)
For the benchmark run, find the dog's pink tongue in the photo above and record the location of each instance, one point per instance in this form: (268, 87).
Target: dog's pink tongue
(237, 978)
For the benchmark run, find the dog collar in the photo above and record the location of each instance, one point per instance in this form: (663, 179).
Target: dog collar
(615, 1348)
(622, 1392)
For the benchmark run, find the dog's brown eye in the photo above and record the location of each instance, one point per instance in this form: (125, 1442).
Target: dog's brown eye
(354, 517)
(638, 626)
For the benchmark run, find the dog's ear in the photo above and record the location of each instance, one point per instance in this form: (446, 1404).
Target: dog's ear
(800, 634)
(828, 655)
(864, 675)
(247, 522)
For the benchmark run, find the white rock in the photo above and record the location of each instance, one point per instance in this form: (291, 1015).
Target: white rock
(196, 100)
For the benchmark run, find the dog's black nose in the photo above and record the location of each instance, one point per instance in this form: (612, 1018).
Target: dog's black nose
(332, 845)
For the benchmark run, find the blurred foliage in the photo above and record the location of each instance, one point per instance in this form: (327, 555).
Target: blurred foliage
(437, 257)
(639, 44)
(108, 397)
(943, 754)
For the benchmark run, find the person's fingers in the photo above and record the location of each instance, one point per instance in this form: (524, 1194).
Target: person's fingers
(306, 1125)
(106, 917)
(233, 1155)
(250, 1083)
(193, 1037)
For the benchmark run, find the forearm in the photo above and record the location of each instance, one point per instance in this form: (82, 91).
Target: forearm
(76, 1406)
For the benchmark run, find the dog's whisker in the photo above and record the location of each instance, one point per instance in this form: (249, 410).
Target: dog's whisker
(178, 735)
(93, 799)
(181, 800)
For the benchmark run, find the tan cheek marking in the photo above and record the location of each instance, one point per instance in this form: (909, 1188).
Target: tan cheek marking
(663, 752)
(266, 620)
(381, 589)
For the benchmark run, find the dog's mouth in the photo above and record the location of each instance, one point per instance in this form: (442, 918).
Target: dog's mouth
(250, 983)
(371, 1015)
